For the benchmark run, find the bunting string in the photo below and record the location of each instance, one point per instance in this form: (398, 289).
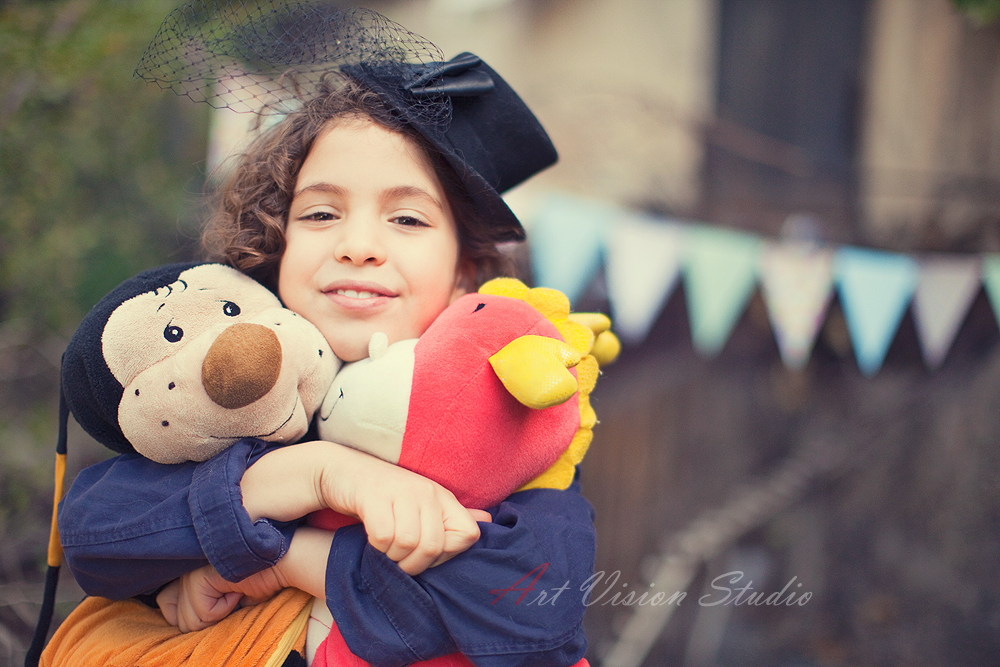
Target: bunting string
(644, 258)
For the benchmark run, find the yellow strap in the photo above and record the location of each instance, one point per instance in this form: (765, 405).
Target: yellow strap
(55, 555)
(290, 640)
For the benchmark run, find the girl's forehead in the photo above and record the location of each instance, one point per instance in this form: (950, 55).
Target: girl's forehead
(350, 146)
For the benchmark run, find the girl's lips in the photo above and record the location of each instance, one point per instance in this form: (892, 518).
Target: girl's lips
(358, 295)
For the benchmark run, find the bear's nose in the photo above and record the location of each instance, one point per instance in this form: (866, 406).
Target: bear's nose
(242, 365)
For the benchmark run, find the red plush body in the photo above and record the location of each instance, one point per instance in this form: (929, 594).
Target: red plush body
(464, 430)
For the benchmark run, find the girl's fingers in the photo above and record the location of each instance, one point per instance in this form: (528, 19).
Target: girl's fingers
(430, 545)
(167, 602)
(481, 515)
(461, 532)
(408, 530)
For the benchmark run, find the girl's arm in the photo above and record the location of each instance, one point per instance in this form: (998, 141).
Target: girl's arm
(539, 551)
(129, 526)
(515, 598)
(417, 523)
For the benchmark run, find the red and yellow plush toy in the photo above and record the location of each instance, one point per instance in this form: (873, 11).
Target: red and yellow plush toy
(182, 361)
(494, 397)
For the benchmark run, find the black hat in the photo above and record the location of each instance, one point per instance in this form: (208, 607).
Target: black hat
(228, 53)
(493, 141)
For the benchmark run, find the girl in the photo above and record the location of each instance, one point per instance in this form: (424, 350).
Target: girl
(368, 210)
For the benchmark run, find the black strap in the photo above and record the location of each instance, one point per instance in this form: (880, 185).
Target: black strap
(55, 554)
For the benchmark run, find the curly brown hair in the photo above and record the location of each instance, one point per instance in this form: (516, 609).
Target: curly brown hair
(247, 226)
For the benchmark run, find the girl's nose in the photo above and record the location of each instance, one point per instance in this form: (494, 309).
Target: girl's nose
(359, 242)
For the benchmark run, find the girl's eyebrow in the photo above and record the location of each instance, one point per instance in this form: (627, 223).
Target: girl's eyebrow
(323, 188)
(405, 191)
(387, 195)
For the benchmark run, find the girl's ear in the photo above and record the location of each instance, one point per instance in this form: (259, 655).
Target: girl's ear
(465, 278)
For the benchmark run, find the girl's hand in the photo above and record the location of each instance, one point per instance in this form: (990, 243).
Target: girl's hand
(202, 598)
(416, 522)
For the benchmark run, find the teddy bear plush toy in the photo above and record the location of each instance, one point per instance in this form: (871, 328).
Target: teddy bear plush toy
(181, 361)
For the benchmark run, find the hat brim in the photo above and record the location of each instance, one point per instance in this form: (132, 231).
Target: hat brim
(493, 141)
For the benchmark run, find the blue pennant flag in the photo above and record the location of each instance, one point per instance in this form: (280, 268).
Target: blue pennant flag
(875, 288)
(991, 281)
(720, 272)
(567, 242)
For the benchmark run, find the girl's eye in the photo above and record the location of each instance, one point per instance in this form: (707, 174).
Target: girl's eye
(319, 216)
(410, 221)
(230, 309)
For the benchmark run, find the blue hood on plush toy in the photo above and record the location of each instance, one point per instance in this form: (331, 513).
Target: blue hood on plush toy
(92, 392)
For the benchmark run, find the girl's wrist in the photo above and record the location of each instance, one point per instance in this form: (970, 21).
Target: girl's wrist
(304, 565)
(285, 485)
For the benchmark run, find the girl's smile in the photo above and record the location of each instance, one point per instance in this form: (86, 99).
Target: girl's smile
(354, 294)
(371, 243)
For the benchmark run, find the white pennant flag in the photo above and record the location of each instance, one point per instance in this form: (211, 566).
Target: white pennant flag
(642, 262)
(946, 287)
(797, 284)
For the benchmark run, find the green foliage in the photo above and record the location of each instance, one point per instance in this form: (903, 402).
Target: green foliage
(100, 174)
(983, 12)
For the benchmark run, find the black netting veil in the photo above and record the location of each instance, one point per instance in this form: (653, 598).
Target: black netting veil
(265, 56)
(269, 57)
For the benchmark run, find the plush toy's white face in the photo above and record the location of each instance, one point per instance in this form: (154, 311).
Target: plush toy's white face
(369, 400)
(211, 359)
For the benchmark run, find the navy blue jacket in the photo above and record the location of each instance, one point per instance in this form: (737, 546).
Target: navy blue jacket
(129, 526)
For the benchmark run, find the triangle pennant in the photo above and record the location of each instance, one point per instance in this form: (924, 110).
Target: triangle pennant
(991, 281)
(796, 283)
(720, 271)
(875, 288)
(945, 289)
(567, 240)
(642, 263)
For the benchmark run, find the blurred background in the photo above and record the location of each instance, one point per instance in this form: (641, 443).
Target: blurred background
(791, 207)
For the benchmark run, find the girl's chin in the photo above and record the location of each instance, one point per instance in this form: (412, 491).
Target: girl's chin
(355, 348)
(352, 352)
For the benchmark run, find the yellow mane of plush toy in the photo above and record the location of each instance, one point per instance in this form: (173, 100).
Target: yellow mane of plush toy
(537, 383)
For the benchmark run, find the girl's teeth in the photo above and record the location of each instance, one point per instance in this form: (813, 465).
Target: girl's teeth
(355, 294)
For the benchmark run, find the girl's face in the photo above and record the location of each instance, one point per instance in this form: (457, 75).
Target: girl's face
(371, 244)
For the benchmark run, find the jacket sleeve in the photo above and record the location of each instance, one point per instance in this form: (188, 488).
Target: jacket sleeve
(514, 599)
(129, 525)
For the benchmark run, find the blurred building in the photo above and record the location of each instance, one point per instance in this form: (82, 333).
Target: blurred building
(869, 122)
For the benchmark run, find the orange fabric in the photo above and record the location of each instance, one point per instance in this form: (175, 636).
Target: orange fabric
(128, 633)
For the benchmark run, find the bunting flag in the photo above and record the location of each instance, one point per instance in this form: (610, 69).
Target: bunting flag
(946, 287)
(720, 272)
(642, 263)
(875, 287)
(567, 241)
(796, 283)
(644, 256)
(991, 281)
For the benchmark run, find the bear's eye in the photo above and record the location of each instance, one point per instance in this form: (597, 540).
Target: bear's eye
(173, 333)
(230, 309)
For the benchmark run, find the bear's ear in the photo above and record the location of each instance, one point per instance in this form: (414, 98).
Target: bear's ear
(91, 392)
